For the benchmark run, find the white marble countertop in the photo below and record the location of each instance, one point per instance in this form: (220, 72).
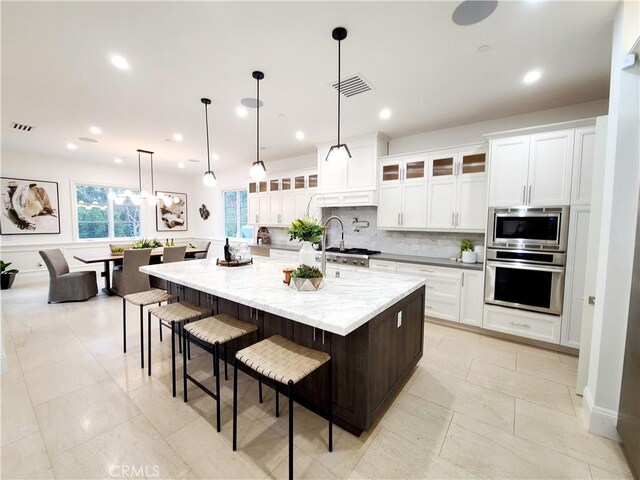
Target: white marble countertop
(343, 305)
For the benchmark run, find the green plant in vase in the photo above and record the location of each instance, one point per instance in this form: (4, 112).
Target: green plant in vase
(306, 278)
(466, 251)
(308, 231)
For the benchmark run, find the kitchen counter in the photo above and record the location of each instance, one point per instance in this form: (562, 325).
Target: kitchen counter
(343, 305)
(435, 261)
(290, 247)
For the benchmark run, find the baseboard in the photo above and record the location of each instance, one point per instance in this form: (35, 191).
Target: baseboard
(600, 421)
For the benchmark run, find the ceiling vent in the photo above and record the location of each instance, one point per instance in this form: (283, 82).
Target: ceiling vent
(353, 86)
(20, 126)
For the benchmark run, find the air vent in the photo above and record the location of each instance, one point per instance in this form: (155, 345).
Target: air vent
(20, 126)
(353, 86)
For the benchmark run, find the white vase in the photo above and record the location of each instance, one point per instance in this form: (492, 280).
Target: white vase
(307, 255)
(479, 249)
(468, 257)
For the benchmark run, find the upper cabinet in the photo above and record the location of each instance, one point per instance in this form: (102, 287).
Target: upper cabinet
(532, 170)
(356, 183)
(402, 200)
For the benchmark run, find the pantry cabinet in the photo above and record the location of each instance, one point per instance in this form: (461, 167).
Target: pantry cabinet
(532, 170)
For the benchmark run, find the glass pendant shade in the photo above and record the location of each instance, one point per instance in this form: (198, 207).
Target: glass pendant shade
(151, 200)
(209, 179)
(119, 200)
(127, 193)
(136, 200)
(258, 171)
(338, 156)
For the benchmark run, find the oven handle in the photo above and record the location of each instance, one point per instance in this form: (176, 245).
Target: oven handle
(526, 266)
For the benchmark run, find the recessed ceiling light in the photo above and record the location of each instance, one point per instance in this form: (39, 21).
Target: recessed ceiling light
(483, 48)
(95, 130)
(215, 156)
(385, 113)
(72, 146)
(120, 62)
(470, 12)
(181, 165)
(177, 137)
(117, 160)
(532, 76)
(242, 112)
(300, 135)
(87, 139)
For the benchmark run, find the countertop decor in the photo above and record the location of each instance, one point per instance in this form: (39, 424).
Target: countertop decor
(306, 279)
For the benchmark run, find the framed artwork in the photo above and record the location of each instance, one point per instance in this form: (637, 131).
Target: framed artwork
(171, 212)
(29, 207)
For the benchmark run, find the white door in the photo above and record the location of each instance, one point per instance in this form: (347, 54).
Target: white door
(300, 202)
(508, 171)
(288, 210)
(414, 205)
(582, 175)
(389, 206)
(275, 208)
(330, 178)
(550, 161)
(441, 204)
(264, 209)
(472, 297)
(361, 168)
(254, 209)
(471, 201)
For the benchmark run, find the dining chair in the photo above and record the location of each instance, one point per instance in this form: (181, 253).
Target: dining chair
(130, 279)
(65, 286)
(169, 255)
(206, 246)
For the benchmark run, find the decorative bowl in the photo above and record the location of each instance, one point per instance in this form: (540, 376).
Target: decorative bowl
(306, 284)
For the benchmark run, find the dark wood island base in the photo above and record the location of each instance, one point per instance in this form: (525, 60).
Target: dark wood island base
(370, 365)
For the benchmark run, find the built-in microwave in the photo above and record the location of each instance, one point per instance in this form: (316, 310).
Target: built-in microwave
(529, 228)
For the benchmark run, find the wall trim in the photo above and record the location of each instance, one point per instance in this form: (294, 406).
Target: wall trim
(600, 421)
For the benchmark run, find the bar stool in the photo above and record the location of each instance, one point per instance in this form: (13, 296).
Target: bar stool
(209, 333)
(171, 315)
(142, 299)
(287, 363)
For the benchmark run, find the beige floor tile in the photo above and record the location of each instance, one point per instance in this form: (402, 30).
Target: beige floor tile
(547, 367)
(521, 385)
(569, 359)
(391, 457)
(189, 476)
(25, 458)
(449, 363)
(46, 383)
(478, 402)
(134, 446)
(12, 382)
(432, 337)
(600, 474)
(472, 348)
(566, 434)
(72, 419)
(577, 402)
(18, 417)
(209, 454)
(491, 453)
(41, 355)
(126, 371)
(304, 467)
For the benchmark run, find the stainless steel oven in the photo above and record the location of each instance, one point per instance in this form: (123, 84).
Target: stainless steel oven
(526, 280)
(529, 228)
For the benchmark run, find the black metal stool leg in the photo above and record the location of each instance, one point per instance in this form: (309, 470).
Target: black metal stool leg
(180, 332)
(141, 337)
(184, 366)
(277, 401)
(149, 343)
(189, 350)
(330, 406)
(260, 389)
(124, 324)
(235, 404)
(173, 359)
(290, 430)
(226, 373)
(216, 349)
(160, 328)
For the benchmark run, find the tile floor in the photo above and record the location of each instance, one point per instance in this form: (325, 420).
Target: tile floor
(74, 406)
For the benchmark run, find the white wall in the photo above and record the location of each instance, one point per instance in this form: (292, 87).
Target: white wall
(617, 236)
(474, 133)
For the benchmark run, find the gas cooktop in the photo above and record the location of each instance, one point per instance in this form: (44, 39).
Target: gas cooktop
(353, 251)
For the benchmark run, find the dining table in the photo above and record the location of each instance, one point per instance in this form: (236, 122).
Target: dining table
(107, 258)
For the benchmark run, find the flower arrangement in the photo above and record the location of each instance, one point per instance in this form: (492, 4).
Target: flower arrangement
(305, 229)
(305, 271)
(146, 243)
(306, 278)
(466, 246)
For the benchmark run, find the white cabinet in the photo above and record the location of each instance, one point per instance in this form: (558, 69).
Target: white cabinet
(532, 170)
(584, 154)
(382, 266)
(403, 193)
(457, 190)
(575, 276)
(356, 183)
(472, 297)
(537, 326)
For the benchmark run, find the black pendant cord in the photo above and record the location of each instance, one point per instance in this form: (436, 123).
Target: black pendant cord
(258, 121)
(339, 61)
(206, 121)
(152, 174)
(139, 175)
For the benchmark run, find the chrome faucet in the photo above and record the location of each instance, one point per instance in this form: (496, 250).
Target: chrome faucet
(323, 262)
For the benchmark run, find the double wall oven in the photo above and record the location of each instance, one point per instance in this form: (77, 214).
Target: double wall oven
(526, 257)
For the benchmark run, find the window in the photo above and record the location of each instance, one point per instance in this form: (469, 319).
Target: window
(234, 204)
(106, 212)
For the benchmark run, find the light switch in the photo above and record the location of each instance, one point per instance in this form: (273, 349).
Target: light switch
(399, 321)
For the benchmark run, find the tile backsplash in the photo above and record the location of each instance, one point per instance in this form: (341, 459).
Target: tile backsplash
(429, 244)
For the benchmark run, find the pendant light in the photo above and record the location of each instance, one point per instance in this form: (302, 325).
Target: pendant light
(258, 170)
(338, 154)
(209, 179)
(136, 199)
(143, 195)
(151, 198)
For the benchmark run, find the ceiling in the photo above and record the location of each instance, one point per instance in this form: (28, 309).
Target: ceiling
(57, 74)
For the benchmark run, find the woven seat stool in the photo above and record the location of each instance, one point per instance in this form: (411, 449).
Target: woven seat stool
(287, 363)
(209, 333)
(170, 315)
(142, 299)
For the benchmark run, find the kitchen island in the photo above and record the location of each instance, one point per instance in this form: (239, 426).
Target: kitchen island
(371, 323)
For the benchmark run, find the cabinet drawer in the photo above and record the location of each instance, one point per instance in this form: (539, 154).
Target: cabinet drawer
(441, 306)
(442, 285)
(359, 198)
(382, 266)
(430, 271)
(524, 324)
(291, 255)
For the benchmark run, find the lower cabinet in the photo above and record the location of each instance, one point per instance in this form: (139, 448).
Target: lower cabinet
(538, 326)
(471, 297)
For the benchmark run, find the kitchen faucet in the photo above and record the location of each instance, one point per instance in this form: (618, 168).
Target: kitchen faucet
(323, 262)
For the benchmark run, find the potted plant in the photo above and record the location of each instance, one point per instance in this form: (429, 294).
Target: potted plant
(146, 243)
(8, 276)
(308, 231)
(466, 251)
(306, 278)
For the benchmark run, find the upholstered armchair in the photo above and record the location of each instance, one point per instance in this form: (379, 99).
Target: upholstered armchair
(65, 286)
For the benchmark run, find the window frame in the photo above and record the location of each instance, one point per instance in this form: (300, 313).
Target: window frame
(111, 229)
(238, 189)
